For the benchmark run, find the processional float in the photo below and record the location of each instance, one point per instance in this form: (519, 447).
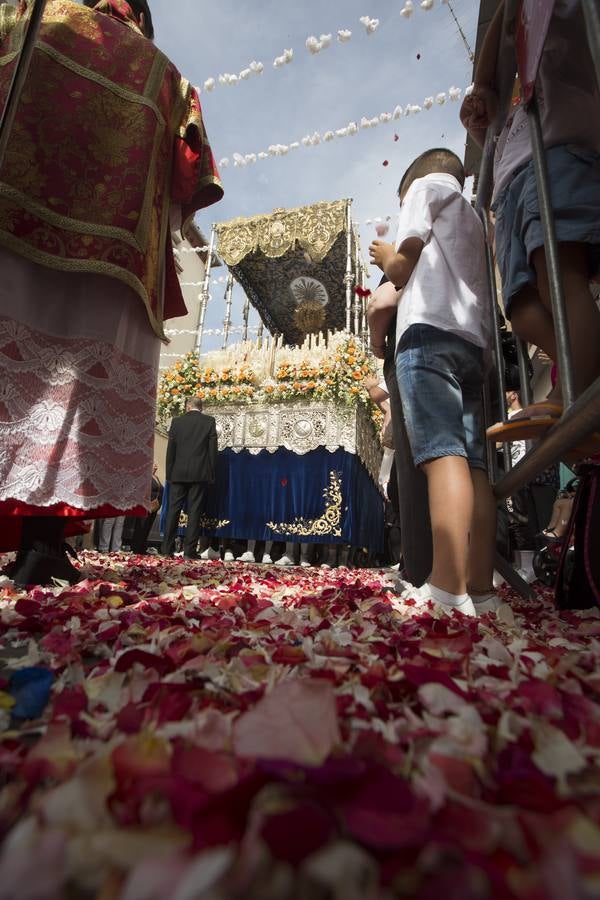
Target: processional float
(299, 449)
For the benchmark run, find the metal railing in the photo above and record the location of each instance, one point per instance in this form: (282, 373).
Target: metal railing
(580, 416)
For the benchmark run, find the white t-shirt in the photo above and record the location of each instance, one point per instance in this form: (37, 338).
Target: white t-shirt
(567, 93)
(448, 287)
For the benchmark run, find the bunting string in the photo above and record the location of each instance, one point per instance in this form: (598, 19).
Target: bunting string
(313, 44)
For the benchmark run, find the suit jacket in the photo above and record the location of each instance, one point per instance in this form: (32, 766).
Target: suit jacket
(192, 448)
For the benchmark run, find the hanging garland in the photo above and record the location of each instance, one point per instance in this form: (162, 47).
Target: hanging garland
(241, 160)
(314, 46)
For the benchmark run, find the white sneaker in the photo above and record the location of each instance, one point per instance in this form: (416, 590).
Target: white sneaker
(228, 556)
(284, 561)
(484, 603)
(248, 556)
(527, 575)
(423, 597)
(209, 553)
(305, 564)
(266, 560)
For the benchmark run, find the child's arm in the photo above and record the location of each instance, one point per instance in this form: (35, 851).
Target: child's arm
(479, 108)
(397, 265)
(380, 312)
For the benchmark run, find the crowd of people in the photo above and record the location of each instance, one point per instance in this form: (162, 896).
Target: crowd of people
(79, 435)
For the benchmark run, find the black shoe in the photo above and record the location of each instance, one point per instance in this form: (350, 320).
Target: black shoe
(191, 556)
(35, 567)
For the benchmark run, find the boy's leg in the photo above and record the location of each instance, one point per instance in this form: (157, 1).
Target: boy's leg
(482, 544)
(451, 511)
(582, 313)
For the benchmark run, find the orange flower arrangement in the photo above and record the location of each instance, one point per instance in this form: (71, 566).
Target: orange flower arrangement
(338, 379)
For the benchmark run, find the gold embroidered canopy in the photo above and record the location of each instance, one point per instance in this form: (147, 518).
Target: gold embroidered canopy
(294, 266)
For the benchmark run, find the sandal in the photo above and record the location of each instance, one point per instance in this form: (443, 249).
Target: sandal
(550, 536)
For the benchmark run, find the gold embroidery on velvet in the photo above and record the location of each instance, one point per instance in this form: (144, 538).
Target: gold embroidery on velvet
(205, 522)
(328, 523)
(315, 228)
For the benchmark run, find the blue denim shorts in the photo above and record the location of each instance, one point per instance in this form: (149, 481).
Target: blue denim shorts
(440, 377)
(574, 175)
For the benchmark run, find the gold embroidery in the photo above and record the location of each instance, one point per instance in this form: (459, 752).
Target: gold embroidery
(328, 523)
(125, 93)
(315, 228)
(8, 18)
(205, 522)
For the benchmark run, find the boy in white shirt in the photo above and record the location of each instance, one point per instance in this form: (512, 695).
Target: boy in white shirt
(442, 343)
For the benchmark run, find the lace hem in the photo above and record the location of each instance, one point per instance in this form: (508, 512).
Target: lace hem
(77, 421)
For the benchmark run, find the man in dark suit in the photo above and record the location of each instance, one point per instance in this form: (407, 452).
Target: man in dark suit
(191, 465)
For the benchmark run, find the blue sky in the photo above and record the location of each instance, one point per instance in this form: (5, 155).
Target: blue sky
(402, 62)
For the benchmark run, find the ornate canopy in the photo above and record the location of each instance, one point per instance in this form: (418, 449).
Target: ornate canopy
(293, 264)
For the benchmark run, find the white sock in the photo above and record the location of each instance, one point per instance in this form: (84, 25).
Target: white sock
(445, 597)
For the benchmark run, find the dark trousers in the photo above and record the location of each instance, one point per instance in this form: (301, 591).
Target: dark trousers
(413, 500)
(141, 529)
(179, 492)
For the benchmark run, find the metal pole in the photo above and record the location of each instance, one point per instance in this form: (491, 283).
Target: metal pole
(205, 290)
(245, 317)
(524, 381)
(228, 302)
(577, 423)
(358, 303)
(561, 325)
(20, 75)
(348, 277)
(365, 321)
(499, 356)
(591, 11)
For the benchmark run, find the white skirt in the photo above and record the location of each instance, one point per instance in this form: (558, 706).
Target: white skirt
(78, 375)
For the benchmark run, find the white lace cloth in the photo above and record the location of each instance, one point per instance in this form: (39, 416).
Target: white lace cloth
(78, 373)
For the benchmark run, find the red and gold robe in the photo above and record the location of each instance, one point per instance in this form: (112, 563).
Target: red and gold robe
(106, 136)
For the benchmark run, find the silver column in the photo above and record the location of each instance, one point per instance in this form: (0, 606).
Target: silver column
(204, 294)
(228, 302)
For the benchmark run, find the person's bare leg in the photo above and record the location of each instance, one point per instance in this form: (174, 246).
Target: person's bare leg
(482, 544)
(532, 322)
(582, 313)
(451, 510)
